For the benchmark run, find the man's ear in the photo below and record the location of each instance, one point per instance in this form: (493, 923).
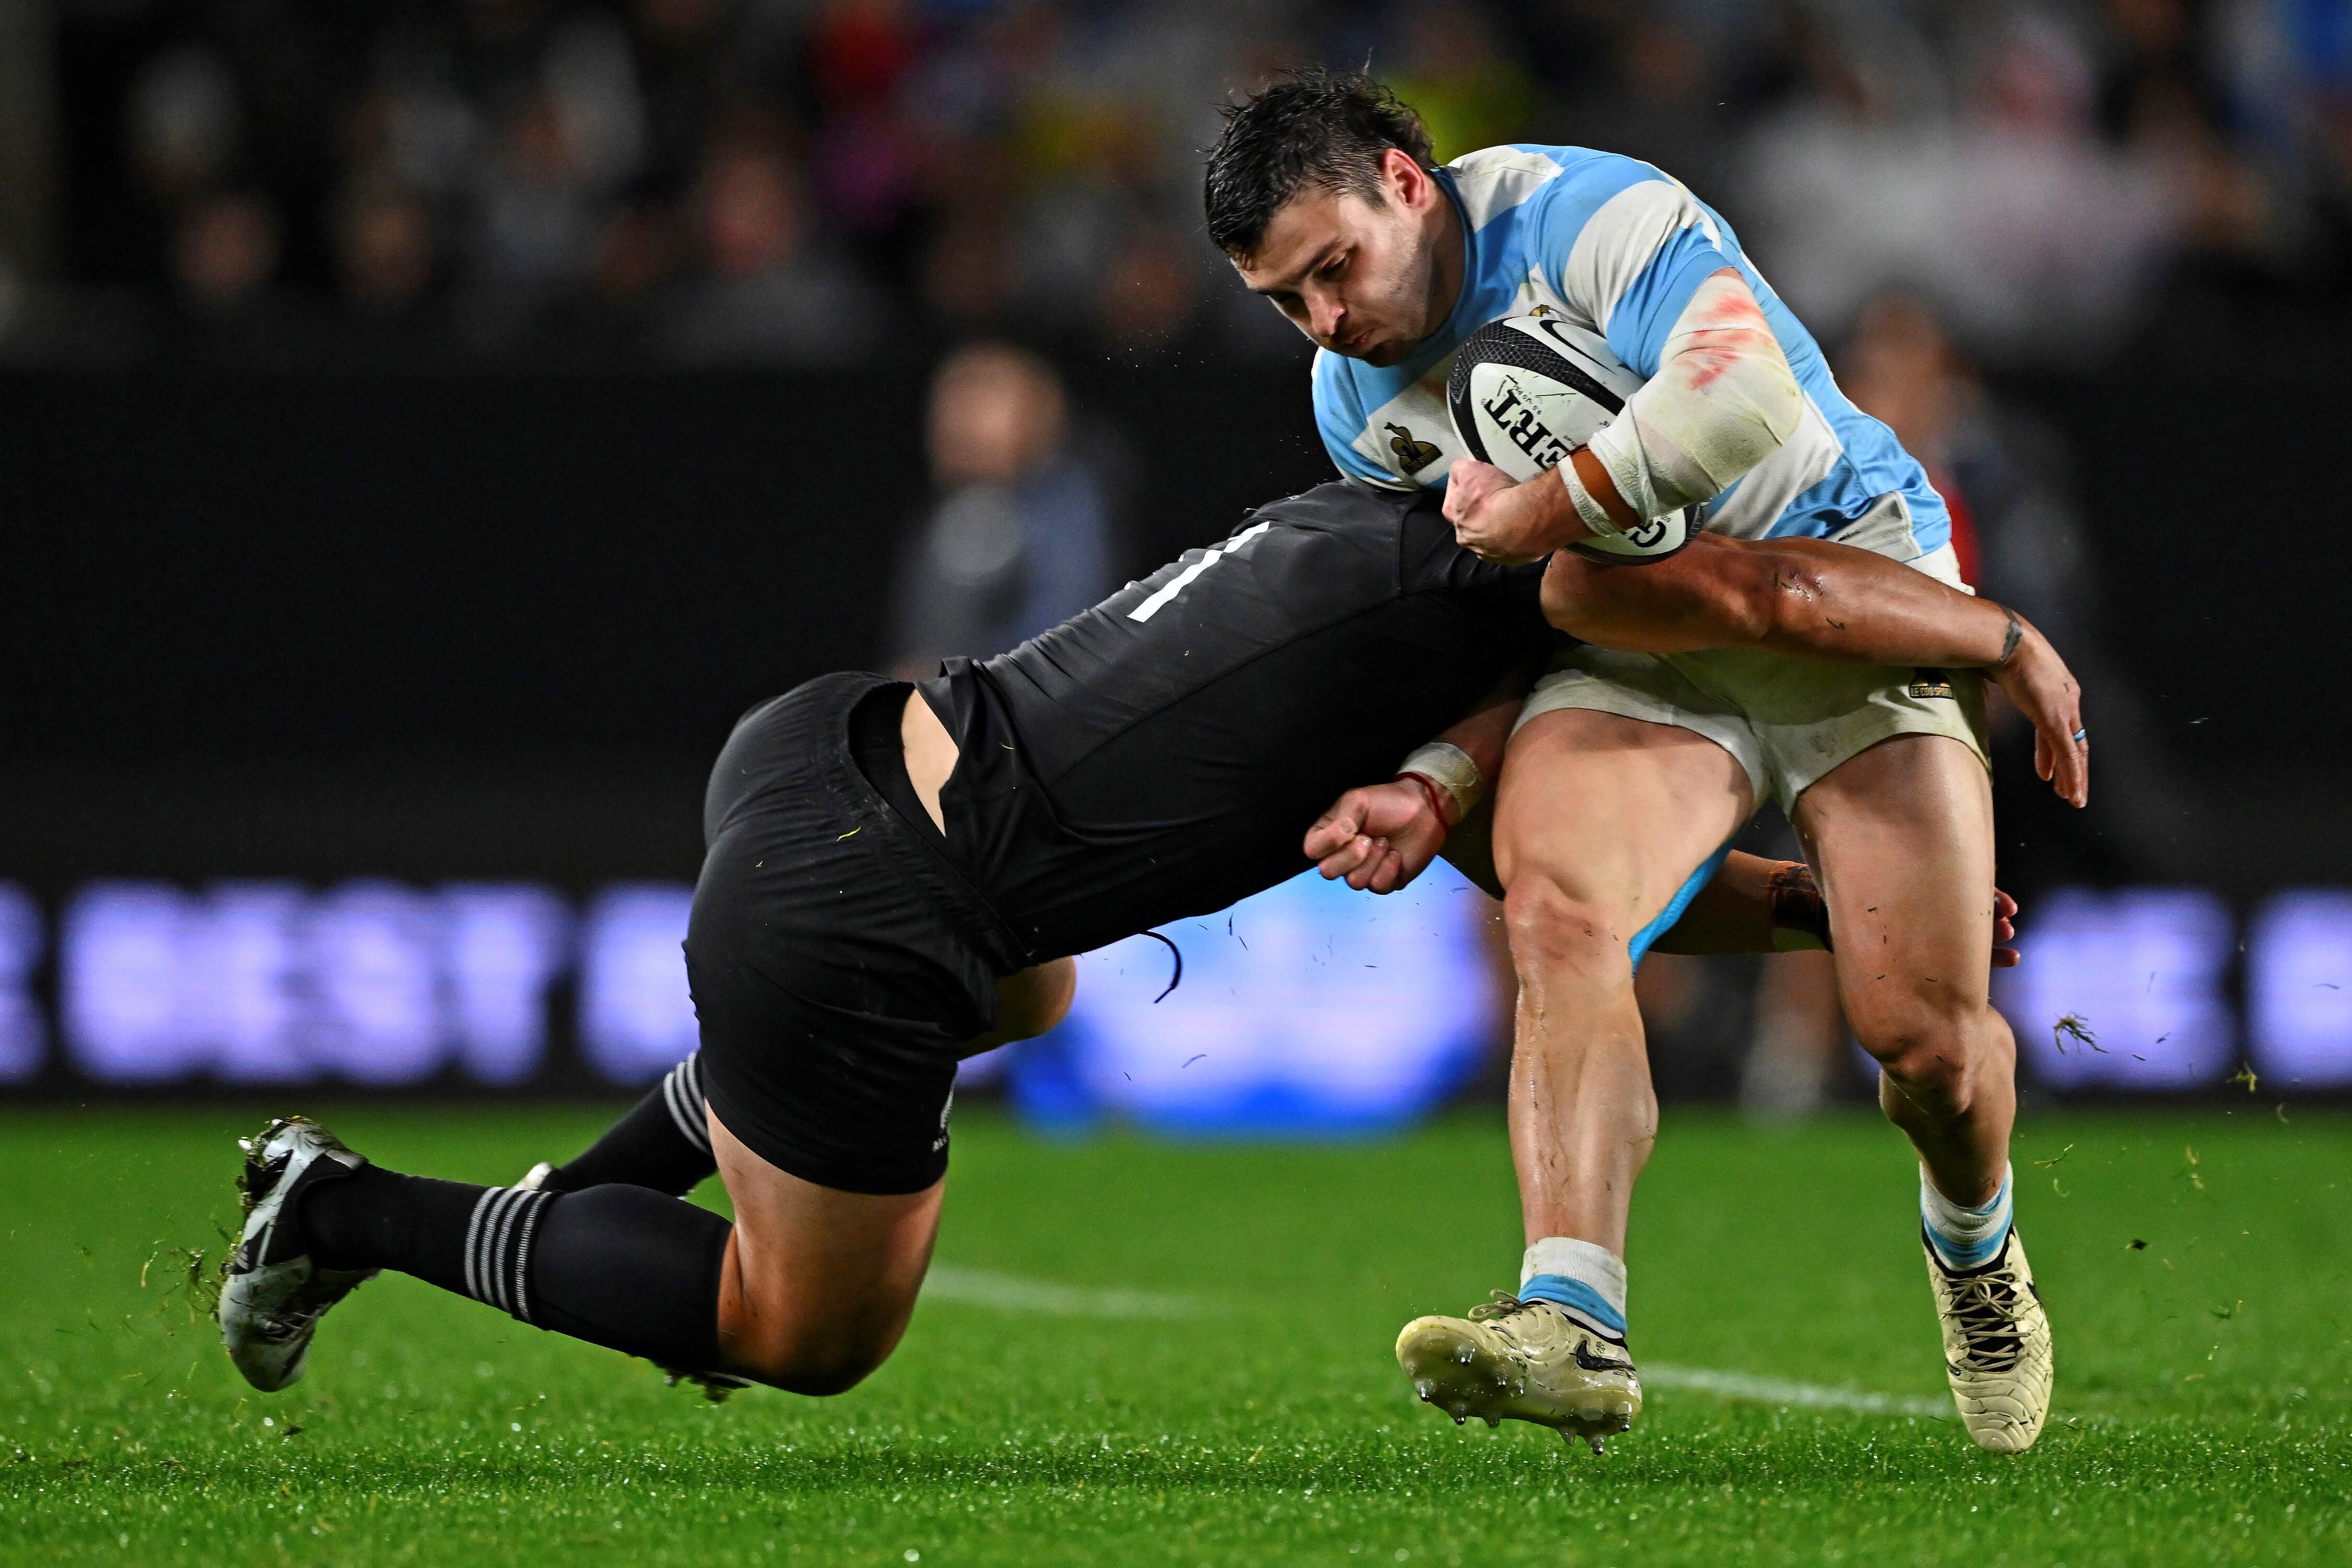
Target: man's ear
(1407, 182)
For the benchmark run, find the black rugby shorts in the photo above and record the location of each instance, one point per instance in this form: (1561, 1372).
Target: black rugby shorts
(837, 960)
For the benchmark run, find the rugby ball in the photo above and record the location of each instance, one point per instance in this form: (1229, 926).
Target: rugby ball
(1527, 391)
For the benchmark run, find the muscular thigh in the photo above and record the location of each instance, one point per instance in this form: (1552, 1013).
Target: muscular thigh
(1615, 812)
(1901, 838)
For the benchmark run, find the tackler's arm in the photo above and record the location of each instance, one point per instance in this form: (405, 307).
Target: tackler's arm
(1381, 837)
(1822, 600)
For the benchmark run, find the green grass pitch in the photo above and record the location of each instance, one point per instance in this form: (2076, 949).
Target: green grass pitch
(2204, 1409)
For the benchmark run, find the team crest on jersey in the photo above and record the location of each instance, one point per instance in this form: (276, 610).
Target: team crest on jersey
(1926, 683)
(1411, 454)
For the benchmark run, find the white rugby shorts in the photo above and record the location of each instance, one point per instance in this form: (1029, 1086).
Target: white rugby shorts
(1788, 721)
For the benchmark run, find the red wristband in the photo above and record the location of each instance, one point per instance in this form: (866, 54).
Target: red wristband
(1437, 796)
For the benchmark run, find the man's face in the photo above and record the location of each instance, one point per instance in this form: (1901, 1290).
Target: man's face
(1360, 278)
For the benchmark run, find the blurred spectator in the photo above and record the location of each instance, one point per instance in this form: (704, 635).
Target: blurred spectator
(1657, 102)
(1798, 1041)
(2007, 480)
(185, 122)
(768, 290)
(682, 62)
(966, 275)
(225, 253)
(865, 160)
(1021, 536)
(387, 260)
(1150, 290)
(2034, 238)
(385, 249)
(535, 221)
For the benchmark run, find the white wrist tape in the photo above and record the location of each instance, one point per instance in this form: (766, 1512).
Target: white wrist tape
(1596, 516)
(1451, 769)
(1724, 400)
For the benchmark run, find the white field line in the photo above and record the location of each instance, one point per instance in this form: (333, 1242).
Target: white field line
(1011, 1293)
(1777, 1391)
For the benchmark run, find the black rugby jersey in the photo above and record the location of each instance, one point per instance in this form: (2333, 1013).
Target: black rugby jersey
(1163, 753)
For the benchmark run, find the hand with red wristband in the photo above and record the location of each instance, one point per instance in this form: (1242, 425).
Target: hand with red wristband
(1381, 837)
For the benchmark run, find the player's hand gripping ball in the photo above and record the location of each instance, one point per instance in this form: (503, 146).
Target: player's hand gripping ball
(1527, 391)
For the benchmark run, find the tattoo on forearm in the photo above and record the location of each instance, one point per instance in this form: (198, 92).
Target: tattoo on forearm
(2009, 644)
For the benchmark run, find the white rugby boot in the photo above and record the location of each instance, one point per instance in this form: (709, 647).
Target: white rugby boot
(272, 1295)
(535, 1178)
(1523, 1361)
(1996, 1345)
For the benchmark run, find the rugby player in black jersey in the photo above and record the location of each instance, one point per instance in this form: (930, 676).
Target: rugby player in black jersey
(897, 878)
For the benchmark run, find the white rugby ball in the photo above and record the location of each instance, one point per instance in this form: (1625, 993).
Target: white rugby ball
(1527, 391)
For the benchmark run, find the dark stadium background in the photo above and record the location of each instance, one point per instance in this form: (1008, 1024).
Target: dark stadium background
(282, 601)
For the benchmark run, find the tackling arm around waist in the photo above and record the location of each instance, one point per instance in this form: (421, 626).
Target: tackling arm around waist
(1805, 596)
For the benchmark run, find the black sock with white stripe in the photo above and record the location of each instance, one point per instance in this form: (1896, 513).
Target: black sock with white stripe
(619, 1266)
(662, 1142)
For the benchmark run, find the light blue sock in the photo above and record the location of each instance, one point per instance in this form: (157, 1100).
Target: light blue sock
(1964, 1237)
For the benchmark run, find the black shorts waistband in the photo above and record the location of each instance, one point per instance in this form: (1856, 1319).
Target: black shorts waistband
(877, 747)
(901, 832)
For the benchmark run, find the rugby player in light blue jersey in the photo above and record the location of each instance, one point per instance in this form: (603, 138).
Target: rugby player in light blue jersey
(1629, 773)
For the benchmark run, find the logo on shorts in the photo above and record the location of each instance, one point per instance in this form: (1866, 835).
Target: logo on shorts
(1926, 683)
(1414, 455)
(941, 1141)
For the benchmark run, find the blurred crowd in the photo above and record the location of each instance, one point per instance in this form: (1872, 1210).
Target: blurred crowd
(703, 183)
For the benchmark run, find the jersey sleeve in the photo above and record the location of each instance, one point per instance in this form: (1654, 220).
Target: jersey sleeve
(1507, 601)
(1627, 246)
(1339, 420)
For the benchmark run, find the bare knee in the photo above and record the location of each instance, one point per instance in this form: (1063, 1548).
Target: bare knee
(814, 1360)
(821, 1375)
(1934, 1057)
(1554, 931)
(784, 1337)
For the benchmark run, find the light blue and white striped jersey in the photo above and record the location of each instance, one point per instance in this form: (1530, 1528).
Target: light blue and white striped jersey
(1616, 247)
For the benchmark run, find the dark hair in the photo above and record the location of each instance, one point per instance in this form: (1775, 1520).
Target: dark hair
(1314, 127)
